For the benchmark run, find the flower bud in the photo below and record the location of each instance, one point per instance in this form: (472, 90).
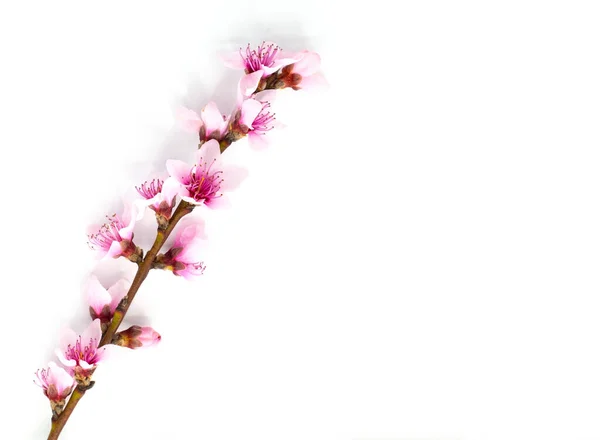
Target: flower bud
(137, 337)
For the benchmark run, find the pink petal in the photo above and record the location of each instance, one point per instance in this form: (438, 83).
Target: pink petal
(212, 117)
(117, 292)
(92, 332)
(309, 64)
(189, 232)
(218, 203)
(250, 110)
(66, 362)
(131, 213)
(67, 337)
(170, 189)
(178, 169)
(234, 176)
(249, 83)
(314, 82)
(189, 119)
(208, 152)
(98, 297)
(257, 141)
(115, 250)
(60, 377)
(233, 60)
(192, 252)
(266, 95)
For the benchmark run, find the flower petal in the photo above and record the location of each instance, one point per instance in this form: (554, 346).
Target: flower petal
(211, 117)
(233, 177)
(117, 292)
(233, 60)
(189, 119)
(309, 64)
(313, 83)
(192, 201)
(98, 296)
(250, 110)
(178, 169)
(218, 203)
(131, 214)
(66, 362)
(249, 83)
(60, 377)
(257, 141)
(170, 189)
(92, 332)
(115, 250)
(67, 337)
(208, 152)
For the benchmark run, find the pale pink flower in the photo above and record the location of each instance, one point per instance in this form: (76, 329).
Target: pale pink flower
(56, 382)
(115, 237)
(137, 337)
(80, 353)
(206, 179)
(258, 120)
(160, 196)
(266, 58)
(103, 302)
(303, 74)
(184, 257)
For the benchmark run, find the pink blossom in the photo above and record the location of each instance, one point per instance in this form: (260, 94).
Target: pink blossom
(56, 382)
(303, 74)
(80, 353)
(184, 257)
(256, 117)
(210, 124)
(103, 302)
(266, 58)
(137, 337)
(160, 196)
(115, 237)
(206, 179)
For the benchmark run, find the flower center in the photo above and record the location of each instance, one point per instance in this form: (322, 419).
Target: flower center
(78, 352)
(204, 184)
(150, 189)
(108, 233)
(263, 56)
(264, 121)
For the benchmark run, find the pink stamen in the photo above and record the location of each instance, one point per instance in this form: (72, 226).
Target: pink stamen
(88, 353)
(108, 233)
(264, 121)
(202, 183)
(43, 378)
(151, 189)
(263, 56)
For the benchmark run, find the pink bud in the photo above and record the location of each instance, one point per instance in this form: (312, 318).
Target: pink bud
(137, 337)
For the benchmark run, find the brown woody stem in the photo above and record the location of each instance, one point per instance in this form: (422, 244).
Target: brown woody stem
(143, 269)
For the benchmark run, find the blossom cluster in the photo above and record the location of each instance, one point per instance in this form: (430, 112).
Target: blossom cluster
(205, 181)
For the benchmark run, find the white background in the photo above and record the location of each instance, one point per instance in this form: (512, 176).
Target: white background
(415, 257)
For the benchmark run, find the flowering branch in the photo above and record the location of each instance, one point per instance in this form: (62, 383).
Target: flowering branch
(143, 269)
(188, 186)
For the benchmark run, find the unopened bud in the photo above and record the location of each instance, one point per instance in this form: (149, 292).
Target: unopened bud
(137, 337)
